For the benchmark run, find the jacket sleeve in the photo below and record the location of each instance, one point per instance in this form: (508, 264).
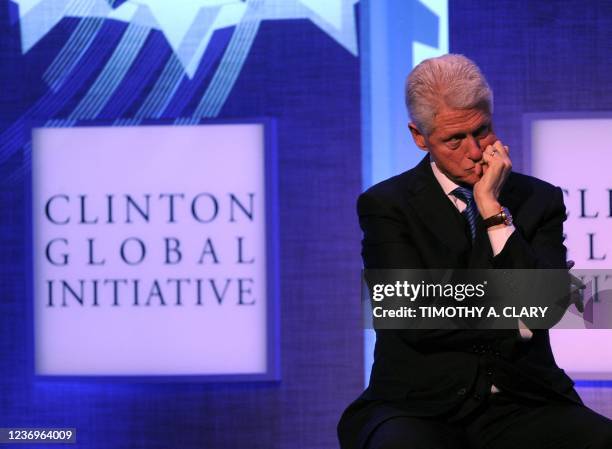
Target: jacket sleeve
(386, 240)
(545, 249)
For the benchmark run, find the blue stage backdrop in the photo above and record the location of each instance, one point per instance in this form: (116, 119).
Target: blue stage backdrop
(126, 62)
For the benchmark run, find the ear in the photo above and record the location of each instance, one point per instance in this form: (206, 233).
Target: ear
(418, 136)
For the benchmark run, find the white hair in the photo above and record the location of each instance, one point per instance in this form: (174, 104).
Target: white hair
(452, 80)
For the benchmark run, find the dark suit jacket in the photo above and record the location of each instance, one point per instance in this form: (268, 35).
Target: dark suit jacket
(408, 222)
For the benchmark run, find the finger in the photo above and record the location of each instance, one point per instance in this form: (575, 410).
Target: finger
(502, 153)
(506, 161)
(499, 146)
(493, 172)
(485, 161)
(485, 167)
(488, 153)
(499, 149)
(497, 161)
(492, 166)
(492, 156)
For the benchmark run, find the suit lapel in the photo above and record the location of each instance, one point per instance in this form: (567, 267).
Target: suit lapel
(437, 212)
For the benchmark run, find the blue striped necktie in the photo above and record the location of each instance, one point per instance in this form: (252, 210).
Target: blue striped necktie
(471, 211)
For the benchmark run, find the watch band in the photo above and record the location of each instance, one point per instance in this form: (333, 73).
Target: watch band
(503, 217)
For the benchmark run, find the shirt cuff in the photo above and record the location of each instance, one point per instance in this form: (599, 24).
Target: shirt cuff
(498, 238)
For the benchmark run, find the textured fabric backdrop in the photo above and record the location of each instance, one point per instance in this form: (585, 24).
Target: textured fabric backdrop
(292, 71)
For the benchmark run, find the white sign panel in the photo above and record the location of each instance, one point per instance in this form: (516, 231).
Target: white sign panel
(151, 250)
(575, 153)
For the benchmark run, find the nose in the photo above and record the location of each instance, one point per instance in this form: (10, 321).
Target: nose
(474, 152)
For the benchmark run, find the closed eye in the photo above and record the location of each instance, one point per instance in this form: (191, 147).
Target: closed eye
(481, 132)
(455, 139)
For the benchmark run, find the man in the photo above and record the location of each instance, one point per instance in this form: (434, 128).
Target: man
(462, 207)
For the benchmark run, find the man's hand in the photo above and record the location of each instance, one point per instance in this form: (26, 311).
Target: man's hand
(496, 168)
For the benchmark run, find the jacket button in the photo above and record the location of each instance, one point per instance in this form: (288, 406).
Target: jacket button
(489, 373)
(477, 397)
(462, 391)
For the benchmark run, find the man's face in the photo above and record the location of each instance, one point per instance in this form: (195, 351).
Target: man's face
(457, 142)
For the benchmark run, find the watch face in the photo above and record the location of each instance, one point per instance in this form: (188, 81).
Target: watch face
(507, 216)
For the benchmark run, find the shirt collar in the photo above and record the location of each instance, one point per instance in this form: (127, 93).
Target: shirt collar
(447, 184)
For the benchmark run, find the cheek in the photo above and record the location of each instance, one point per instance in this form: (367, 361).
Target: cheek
(458, 157)
(460, 154)
(455, 162)
(450, 158)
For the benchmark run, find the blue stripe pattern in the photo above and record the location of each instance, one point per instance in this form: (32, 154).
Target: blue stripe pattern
(470, 212)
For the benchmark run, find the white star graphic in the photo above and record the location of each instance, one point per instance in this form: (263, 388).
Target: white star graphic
(188, 25)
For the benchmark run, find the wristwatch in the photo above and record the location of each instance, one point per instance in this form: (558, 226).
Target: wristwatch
(503, 217)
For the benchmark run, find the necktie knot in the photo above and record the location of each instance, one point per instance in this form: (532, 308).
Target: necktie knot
(464, 194)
